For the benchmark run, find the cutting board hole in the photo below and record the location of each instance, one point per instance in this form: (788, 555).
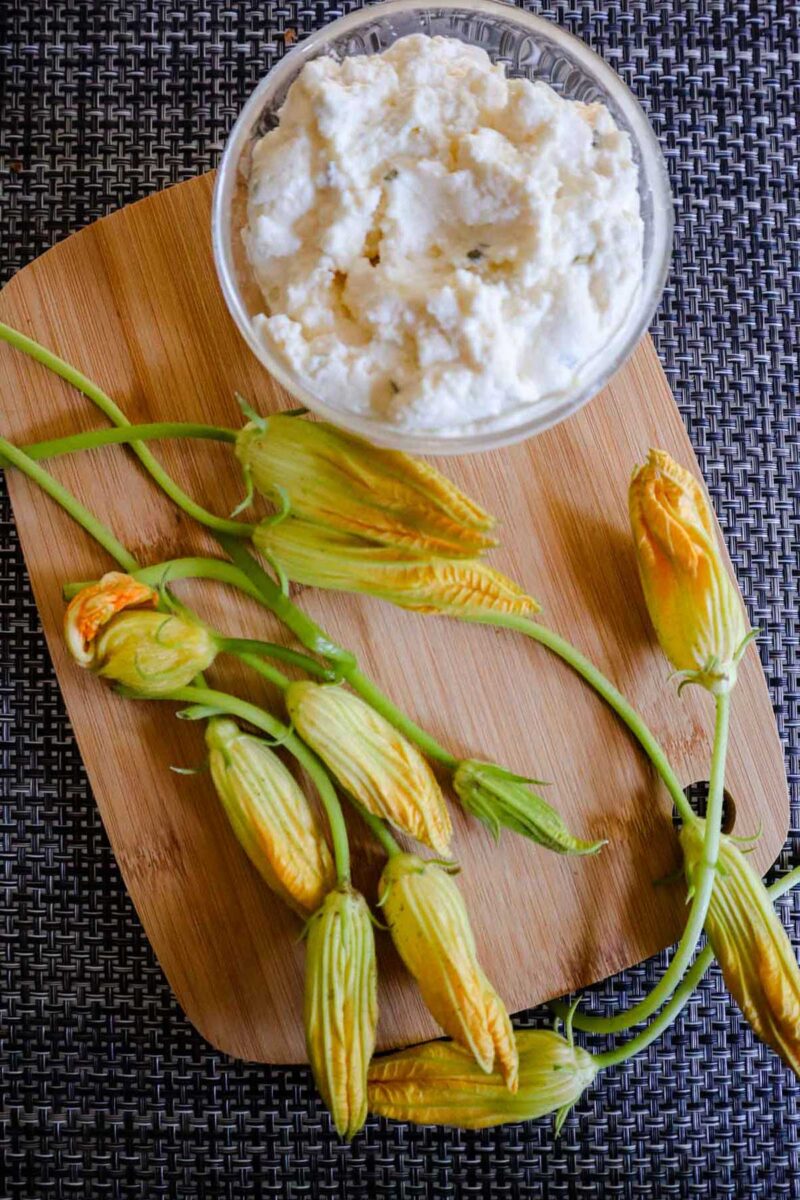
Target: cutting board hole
(697, 795)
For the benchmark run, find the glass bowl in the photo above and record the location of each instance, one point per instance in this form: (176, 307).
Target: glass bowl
(528, 46)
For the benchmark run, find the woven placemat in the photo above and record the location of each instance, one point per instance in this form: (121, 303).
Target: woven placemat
(106, 1091)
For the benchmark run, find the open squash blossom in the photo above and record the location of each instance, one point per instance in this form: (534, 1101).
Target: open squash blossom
(429, 925)
(325, 558)
(96, 604)
(341, 1009)
(112, 628)
(501, 799)
(693, 602)
(382, 769)
(335, 479)
(270, 815)
(439, 1083)
(752, 947)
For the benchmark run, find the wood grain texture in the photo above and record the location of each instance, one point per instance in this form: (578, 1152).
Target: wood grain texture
(133, 301)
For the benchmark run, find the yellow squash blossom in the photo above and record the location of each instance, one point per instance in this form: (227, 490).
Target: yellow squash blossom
(112, 628)
(341, 1009)
(692, 600)
(335, 479)
(381, 768)
(429, 925)
(325, 558)
(439, 1083)
(96, 604)
(752, 947)
(270, 815)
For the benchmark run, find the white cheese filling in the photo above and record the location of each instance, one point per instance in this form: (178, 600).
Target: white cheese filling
(437, 244)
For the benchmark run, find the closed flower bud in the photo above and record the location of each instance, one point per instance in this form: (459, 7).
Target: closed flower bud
(752, 947)
(335, 479)
(439, 1083)
(499, 798)
(112, 628)
(371, 760)
(341, 1009)
(693, 602)
(270, 815)
(326, 558)
(429, 925)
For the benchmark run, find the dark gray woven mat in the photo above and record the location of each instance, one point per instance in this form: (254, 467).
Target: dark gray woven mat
(106, 1090)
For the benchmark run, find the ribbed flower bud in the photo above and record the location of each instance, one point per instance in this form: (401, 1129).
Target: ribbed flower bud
(692, 600)
(270, 815)
(752, 947)
(326, 558)
(440, 1083)
(429, 925)
(382, 769)
(335, 479)
(341, 1010)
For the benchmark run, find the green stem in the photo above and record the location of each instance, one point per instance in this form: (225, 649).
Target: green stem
(264, 669)
(704, 885)
(377, 828)
(308, 760)
(175, 569)
(122, 435)
(605, 688)
(115, 414)
(247, 648)
(682, 995)
(11, 455)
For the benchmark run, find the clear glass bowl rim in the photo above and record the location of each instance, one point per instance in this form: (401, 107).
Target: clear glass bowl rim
(656, 267)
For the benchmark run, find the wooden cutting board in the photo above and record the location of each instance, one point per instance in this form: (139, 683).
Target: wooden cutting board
(133, 301)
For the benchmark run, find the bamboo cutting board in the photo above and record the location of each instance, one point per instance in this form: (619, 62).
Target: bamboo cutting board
(133, 301)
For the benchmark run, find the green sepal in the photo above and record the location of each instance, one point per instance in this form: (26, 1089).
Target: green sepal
(254, 417)
(499, 798)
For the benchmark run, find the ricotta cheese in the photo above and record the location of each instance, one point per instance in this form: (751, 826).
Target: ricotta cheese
(436, 244)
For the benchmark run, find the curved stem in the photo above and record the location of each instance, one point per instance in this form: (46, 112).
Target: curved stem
(174, 569)
(268, 592)
(290, 741)
(12, 456)
(620, 1054)
(605, 688)
(248, 648)
(126, 434)
(256, 663)
(115, 414)
(704, 885)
